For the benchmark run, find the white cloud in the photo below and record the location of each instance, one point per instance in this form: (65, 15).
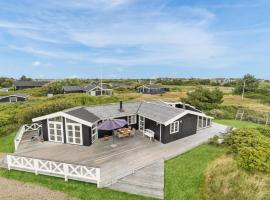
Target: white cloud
(36, 63)
(141, 36)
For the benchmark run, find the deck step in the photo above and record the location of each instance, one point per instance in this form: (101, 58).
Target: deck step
(148, 181)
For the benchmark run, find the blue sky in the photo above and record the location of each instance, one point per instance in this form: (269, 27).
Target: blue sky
(134, 38)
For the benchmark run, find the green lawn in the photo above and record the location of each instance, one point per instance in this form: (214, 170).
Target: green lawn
(184, 174)
(77, 189)
(7, 144)
(237, 123)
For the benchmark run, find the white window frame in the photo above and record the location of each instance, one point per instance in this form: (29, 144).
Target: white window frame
(13, 98)
(73, 132)
(132, 119)
(55, 123)
(174, 127)
(141, 123)
(94, 132)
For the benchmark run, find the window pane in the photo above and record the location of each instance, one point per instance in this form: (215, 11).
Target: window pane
(58, 126)
(77, 134)
(78, 141)
(69, 127)
(77, 128)
(70, 133)
(52, 137)
(59, 132)
(52, 131)
(59, 138)
(51, 125)
(71, 140)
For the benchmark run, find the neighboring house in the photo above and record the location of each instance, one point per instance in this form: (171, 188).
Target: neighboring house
(152, 89)
(79, 125)
(183, 106)
(19, 85)
(5, 89)
(223, 81)
(13, 98)
(91, 89)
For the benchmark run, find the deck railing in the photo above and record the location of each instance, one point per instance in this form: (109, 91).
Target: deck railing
(25, 128)
(53, 168)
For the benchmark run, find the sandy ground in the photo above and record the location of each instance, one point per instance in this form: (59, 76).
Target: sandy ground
(15, 190)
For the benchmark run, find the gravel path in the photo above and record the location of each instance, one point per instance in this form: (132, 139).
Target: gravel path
(15, 190)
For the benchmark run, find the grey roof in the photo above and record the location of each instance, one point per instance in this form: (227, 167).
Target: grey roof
(154, 86)
(73, 88)
(158, 112)
(110, 111)
(30, 83)
(83, 114)
(85, 88)
(155, 110)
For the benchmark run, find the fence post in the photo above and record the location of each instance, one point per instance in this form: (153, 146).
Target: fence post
(8, 161)
(98, 176)
(66, 171)
(36, 166)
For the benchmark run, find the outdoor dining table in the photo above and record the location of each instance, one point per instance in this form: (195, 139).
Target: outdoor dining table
(124, 131)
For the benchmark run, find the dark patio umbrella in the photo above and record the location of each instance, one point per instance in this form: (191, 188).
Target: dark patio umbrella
(112, 124)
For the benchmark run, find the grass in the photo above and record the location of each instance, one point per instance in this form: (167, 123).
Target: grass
(6, 143)
(237, 123)
(77, 189)
(184, 174)
(225, 180)
(252, 104)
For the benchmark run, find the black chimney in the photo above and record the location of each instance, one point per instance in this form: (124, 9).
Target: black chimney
(121, 106)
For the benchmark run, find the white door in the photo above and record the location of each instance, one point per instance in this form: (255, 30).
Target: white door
(74, 133)
(141, 123)
(55, 130)
(94, 133)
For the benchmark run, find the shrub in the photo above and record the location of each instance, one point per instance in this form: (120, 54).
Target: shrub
(264, 130)
(204, 99)
(254, 158)
(251, 148)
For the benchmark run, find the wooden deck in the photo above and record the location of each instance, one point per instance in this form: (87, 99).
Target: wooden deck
(130, 154)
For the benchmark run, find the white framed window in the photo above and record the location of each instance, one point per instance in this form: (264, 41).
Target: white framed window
(132, 119)
(13, 99)
(55, 130)
(94, 132)
(174, 127)
(73, 132)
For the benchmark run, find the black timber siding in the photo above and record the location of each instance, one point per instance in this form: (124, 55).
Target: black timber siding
(154, 126)
(86, 135)
(45, 130)
(187, 126)
(24, 87)
(6, 99)
(152, 91)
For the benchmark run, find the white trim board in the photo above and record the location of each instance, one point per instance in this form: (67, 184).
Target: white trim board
(62, 114)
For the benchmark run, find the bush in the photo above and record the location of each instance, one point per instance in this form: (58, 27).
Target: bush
(251, 148)
(204, 99)
(224, 112)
